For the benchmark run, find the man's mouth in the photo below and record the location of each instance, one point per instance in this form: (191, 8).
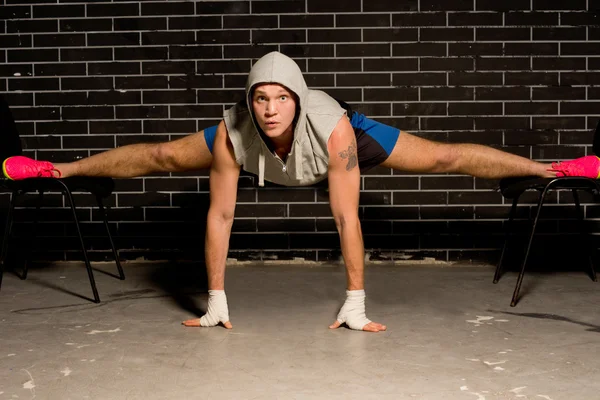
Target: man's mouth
(271, 124)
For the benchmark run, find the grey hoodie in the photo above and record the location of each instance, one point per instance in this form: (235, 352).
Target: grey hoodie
(308, 159)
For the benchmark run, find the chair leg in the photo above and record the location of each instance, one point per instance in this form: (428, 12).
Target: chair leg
(88, 266)
(584, 237)
(34, 232)
(522, 272)
(511, 216)
(7, 233)
(112, 244)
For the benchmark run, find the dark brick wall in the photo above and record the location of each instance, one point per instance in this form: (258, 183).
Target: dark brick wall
(84, 77)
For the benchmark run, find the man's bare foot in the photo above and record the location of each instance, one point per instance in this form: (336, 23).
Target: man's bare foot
(370, 327)
(195, 323)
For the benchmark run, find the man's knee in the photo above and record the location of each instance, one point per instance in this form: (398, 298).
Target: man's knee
(165, 156)
(446, 157)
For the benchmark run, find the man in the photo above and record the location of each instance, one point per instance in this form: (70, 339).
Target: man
(290, 135)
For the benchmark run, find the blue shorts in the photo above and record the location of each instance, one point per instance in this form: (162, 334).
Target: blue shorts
(374, 140)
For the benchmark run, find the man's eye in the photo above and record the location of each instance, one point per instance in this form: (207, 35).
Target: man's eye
(283, 98)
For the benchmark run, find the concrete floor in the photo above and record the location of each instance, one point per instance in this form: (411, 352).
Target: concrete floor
(451, 335)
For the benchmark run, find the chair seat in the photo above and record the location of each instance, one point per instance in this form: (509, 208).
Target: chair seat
(99, 186)
(515, 186)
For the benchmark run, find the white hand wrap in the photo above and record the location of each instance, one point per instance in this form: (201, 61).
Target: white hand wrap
(353, 310)
(217, 309)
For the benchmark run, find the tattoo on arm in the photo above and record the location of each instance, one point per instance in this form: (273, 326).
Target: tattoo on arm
(350, 154)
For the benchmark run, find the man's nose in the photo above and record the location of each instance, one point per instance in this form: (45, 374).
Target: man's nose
(271, 108)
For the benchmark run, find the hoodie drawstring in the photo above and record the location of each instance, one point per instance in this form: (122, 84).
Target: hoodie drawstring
(261, 169)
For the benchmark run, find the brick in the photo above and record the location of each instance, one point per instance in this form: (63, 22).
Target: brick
(503, 93)
(14, 41)
(61, 127)
(35, 114)
(447, 5)
(392, 94)
(115, 127)
(148, 199)
(362, 50)
(580, 78)
(418, 198)
(277, 36)
(446, 34)
(114, 97)
(420, 108)
(474, 19)
(580, 107)
(474, 78)
(531, 49)
(308, 21)
(371, 79)
(308, 50)
(372, 109)
(558, 34)
(391, 183)
(531, 138)
(329, 35)
(278, 7)
(559, 63)
(479, 197)
(558, 123)
(86, 54)
(238, 51)
(31, 26)
(222, 7)
(419, 79)
(286, 225)
(580, 18)
(420, 19)
(322, 6)
(579, 48)
(59, 11)
(475, 49)
(154, 24)
(220, 96)
(112, 10)
(446, 93)
(530, 108)
(167, 38)
(116, 68)
(113, 39)
(60, 69)
(141, 53)
(390, 35)
(88, 112)
(141, 82)
(18, 99)
(170, 8)
(530, 18)
(338, 65)
(250, 21)
(197, 111)
(88, 142)
(502, 123)
(16, 56)
(61, 98)
(446, 123)
(196, 81)
(169, 126)
(559, 5)
(15, 12)
(308, 210)
(445, 213)
(86, 24)
(168, 67)
(502, 64)
(508, 5)
(419, 49)
(475, 108)
(390, 6)
(446, 64)
(37, 84)
(531, 78)
(141, 112)
(446, 182)
(558, 93)
(502, 34)
(223, 66)
(18, 69)
(391, 64)
(387, 213)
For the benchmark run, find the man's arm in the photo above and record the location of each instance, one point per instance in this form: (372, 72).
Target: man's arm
(344, 192)
(224, 174)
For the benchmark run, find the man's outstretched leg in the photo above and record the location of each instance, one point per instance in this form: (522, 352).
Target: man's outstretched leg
(415, 154)
(188, 153)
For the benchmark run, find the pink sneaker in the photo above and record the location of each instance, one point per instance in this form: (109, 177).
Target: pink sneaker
(588, 166)
(19, 167)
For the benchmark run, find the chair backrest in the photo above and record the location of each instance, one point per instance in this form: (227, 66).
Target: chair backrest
(10, 143)
(596, 145)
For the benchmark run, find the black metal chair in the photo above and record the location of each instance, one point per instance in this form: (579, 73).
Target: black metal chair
(513, 188)
(100, 187)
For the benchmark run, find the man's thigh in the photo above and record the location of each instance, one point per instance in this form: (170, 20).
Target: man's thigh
(414, 154)
(191, 152)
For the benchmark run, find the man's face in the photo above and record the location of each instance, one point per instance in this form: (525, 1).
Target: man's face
(274, 108)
